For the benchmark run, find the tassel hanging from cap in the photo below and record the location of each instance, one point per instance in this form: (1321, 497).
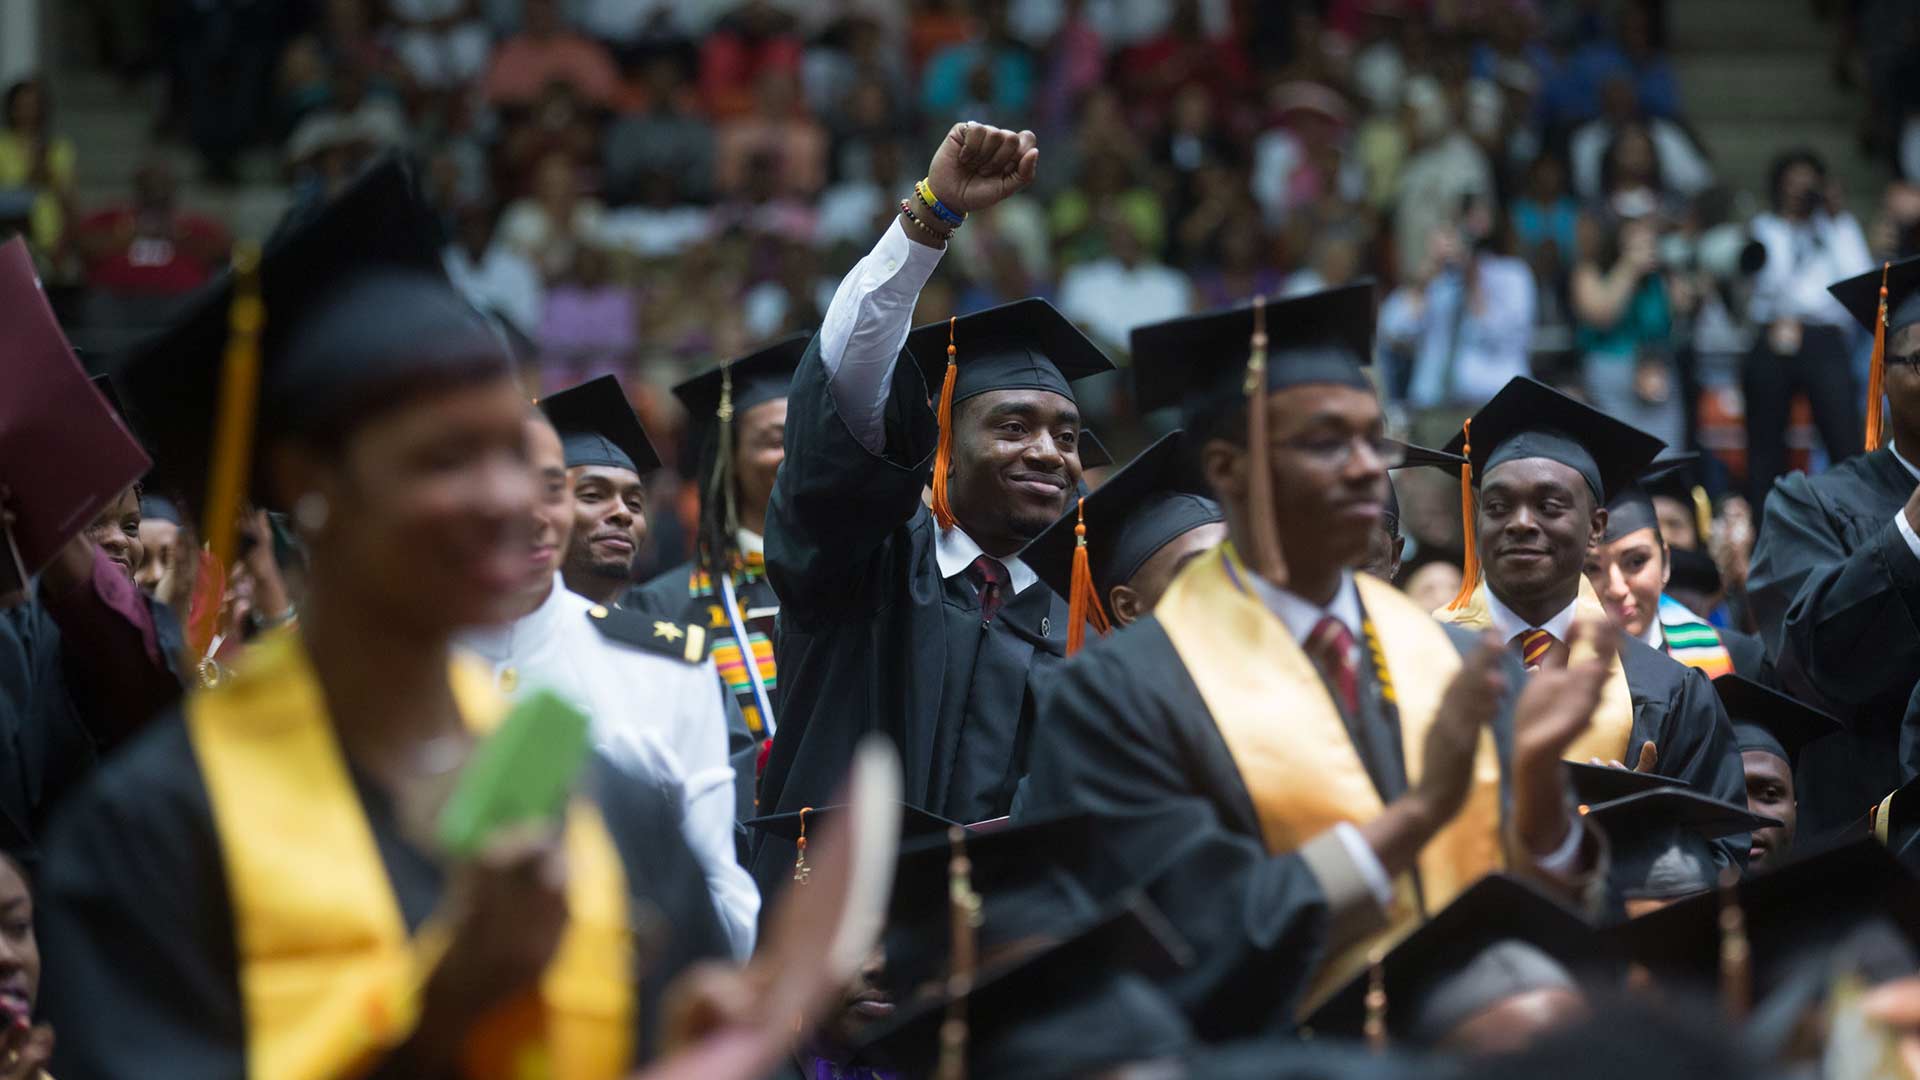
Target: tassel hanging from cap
(1702, 512)
(1083, 600)
(1877, 370)
(943, 457)
(1264, 556)
(233, 432)
(720, 485)
(1470, 562)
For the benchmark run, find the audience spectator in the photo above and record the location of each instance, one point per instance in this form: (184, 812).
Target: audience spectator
(591, 323)
(1461, 328)
(36, 171)
(1298, 162)
(666, 134)
(557, 125)
(551, 221)
(1616, 138)
(1186, 51)
(1623, 325)
(1238, 270)
(1109, 190)
(990, 76)
(1545, 216)
(855, 210)
(1810, 240)
(545, 51)
(662, 224)
(1446, 168)
(442, 43)
(1123, 289)
(149, 246)
(492, 276)
(224, 56)
(754, 41)
(778, 136)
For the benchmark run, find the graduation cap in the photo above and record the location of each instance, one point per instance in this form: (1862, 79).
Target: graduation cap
(914, 822)
(1631, 508)
(1066, 1007)
(347, 305)
(1766, 719)
(714, 400)
(1109, 535)
(1885, 301)
(597, 426)
(1692, 570)
(1218, 361)
(1529, 419)
(1500, 938)
(1412, 456)
(1596, 784)
(1093, 453)
(1662, 840)
(1025, 345)
(1800, 910)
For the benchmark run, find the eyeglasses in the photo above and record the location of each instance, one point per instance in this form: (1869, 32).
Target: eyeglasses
(1335, 451)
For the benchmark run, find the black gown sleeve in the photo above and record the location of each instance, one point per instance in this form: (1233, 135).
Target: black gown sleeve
(1115, 736)
(1749, 656)
(1819, 607)
(1692, 736)
(665, 594)
(835, 503)
(139, 975)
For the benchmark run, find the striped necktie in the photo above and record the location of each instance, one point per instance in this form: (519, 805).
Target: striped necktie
(1533, 646)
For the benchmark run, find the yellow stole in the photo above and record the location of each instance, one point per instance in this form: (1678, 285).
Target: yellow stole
(1295, 756)
(1612, 727)
(329, 980)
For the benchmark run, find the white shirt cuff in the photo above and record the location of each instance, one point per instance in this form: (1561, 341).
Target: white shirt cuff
(1366, 862)
(1563, 860)
(1906, 532)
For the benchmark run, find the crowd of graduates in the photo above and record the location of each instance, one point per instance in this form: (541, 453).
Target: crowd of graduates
(341, 741)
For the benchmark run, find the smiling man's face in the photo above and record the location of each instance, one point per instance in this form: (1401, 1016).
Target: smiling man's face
(1536, 522)
(1016, 459)
(609, 522)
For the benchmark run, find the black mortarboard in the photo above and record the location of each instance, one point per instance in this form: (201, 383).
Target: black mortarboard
(914, 822)
(1766, 719)
(757, 378)
(1693, 571)
(1093, 453)
(1025, 345)
(355, 304)
(1662, 840)
(598, 426)
(1139, 510)
(1860, 295)
(1199, 361)
(1631, 508)
(1064, 1007)
(1596, 784)
(1529, 419)
(1500, 938)
(1798, 910)
(1412, 456)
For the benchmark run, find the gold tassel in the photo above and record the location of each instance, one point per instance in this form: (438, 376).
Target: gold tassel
(1702, 512)
(943, 457)
(228, 473)
(1470, 562)
(801, 871)
(1877, 370)
(1083, 601)
(964, 916)
(1264, 556)
(720, 484)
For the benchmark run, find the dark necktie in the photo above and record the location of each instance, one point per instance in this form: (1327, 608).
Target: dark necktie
(1330, 645)
(1537, 649)
(989, 579)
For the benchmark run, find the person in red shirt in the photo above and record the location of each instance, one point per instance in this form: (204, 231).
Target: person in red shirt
(149, 246)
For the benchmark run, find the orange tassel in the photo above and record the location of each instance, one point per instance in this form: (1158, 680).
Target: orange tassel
(1265, 556)
(1470, 565)
(943, 457)
(1083, 601)
(206, 604)
(1877, 372)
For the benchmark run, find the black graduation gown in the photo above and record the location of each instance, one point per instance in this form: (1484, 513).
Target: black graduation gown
(135, 920)
(872, 639)
(1836, 592)
(1674, 706)
(1124, 730)
(1749, 656)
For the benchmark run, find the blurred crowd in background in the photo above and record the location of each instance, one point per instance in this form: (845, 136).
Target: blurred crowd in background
(645, 186)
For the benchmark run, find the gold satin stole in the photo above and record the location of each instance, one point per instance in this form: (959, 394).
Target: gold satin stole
(1293, 749)
(1612, 727)
(330, 980)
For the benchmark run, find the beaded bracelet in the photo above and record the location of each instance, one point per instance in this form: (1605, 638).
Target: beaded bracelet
(906, 208)
(935, 206)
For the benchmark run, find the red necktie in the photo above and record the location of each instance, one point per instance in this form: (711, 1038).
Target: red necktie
(989, 579)
(1331, 646)
(1534, 647)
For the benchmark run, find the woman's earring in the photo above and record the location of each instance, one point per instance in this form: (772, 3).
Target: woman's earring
(310, 512)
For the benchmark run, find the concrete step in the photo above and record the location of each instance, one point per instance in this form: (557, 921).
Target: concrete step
(1709, 26)
(1782, 86)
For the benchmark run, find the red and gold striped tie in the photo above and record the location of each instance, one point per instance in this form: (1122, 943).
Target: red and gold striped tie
(1533, 645)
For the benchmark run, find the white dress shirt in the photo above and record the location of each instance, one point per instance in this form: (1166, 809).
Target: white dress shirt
(1900, 516)
(659, 720)
(1509, 626)
(861, 336)
(1802, 257)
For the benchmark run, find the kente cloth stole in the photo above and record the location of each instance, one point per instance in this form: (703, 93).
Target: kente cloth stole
(1692, 640)
(1293, 750)
(329, 978)
(1612, 727)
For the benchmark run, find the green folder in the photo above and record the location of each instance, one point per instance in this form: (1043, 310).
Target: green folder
(520, 774)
